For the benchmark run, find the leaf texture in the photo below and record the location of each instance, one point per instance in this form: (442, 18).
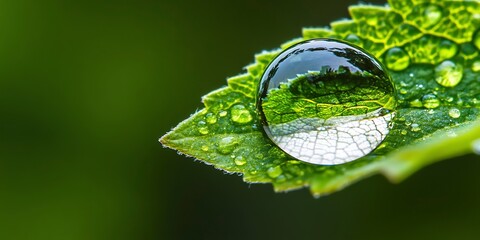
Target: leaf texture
(227, 133)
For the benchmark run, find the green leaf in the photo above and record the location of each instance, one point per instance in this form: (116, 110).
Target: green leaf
(432, 51)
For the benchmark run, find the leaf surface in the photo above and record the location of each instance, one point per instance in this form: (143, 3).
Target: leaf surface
(437, 117)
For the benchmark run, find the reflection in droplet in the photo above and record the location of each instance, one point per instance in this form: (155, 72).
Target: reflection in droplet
(222, 113)
(354, 39)
(476, 66)
(202, 128)
(432, 14)
(210, 118)
(447, 49)
(326, 102)
(240, 114)
(415, 127)
(430, 101)
(226, 145)
(274, 172)
(454, 113)
(448, 73)
(240, 161)
(397, 59)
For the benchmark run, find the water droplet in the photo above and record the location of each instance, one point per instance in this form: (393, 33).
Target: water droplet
(447, 49)
(476, 146)
(454, 113)
(240, 114)
(403, 91)
(432, 15)
(476, 40)
(430, 101)
(476, 66)
(240, 161)
(222, 113)
(468, 50)
(416, 103)
(397, 59)
(404, 132)
(448, 74)
(210, 118)
(274, 172)
(315, 100)
(354, 39)
(202, 128)
(205, 148)
(415, 127)
(226, 145)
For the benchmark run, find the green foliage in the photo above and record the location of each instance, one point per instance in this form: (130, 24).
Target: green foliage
(433, 65)
(359, 95)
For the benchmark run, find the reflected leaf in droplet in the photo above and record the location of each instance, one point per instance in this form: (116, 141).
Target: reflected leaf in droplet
(240, 114)
(326, 102)
(430, 101)
(448, 73)
(397, 59)
(454, 113)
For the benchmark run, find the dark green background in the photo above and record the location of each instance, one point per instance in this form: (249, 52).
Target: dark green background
(87, 88)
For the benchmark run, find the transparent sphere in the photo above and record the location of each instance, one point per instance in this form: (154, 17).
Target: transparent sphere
(326, 102)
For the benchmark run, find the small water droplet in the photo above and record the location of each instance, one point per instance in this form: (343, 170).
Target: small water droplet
(222, 113)
(416, 103)
(448, 74)
(240, 161)
(404, 132)
(397, 59)
(454, 113)
(352, 38)
(411, 75)
(240, 114)
(432, 15)
(403, 91)
(430, 101)
(476, 66)
(447, 49)
(205, 148)
(210, 118)
(202, 128)
(226, 145)
(274, 172)
(253, 172)
(415, 127)
(476, 40)
(468, 50)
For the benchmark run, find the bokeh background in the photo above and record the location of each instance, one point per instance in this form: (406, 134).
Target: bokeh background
(88, 87)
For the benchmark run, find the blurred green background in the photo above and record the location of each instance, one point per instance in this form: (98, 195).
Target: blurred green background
(88, 87)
